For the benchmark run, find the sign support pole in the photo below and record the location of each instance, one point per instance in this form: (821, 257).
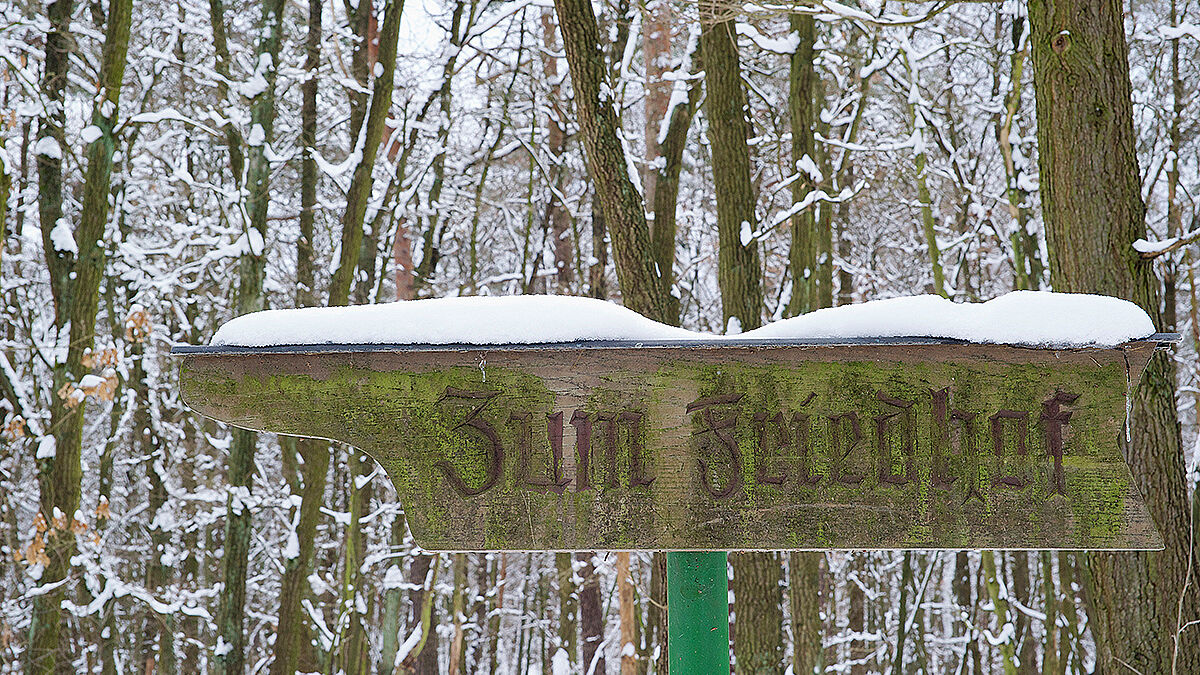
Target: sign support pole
(698, 612)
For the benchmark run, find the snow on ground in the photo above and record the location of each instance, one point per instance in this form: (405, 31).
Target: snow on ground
(1023, 317)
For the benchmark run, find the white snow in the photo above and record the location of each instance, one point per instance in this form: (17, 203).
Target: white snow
(745, 234)
(786, 44)
(90, 381)
(1036, 318)
(47, 146)
(808, 166)
(1020, 317)
(257, 83)
(257, 136)
(62, 238)
(1144, 246)
(560, 663)
(90, 133)
(467, 320)
(47, 447)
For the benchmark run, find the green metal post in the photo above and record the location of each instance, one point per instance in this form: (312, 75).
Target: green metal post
(698, 613)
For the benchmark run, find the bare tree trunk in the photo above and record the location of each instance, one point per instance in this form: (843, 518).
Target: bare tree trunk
(1050, 625)
(314, 454)
(420, 572)
(619, 200)
(499, 582)
(432, 236)
(803, 257)
(858, 651)
(75, 283)
(1005, 632)
(360, 183)
(1094, 212)
(158, 630)
(628, 611)
(906, 578)
(1027, 259)
(557, 217)
(920, 166)
(457, 663)
(673, 135)
(1022, 591)
(656, 616)
(1174, 212)
(804, 575)
(738, 272)
(591, 621)
(758, 608)
(251, 271)
(423, 659)
(568, 607)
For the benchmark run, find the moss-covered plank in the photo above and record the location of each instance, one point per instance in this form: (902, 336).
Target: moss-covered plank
(780, 447)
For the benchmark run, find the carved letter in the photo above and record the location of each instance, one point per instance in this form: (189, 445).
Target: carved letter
(719, 428)
(939, 433)
(908, 430)
(610, 448)
(1054, 418)
(637, 472)
(1022, 418)
(525, 453)
(494, 447)
(941, 475)
(840, 450)
(803, 426)
(583, 448)
(779, 426)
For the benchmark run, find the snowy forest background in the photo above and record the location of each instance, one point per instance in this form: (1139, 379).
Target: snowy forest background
(916, 152)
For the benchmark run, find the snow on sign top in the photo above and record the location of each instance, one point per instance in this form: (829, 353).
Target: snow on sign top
(465, 320)
(1023, 318)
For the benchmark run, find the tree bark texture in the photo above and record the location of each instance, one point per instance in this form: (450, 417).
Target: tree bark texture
(360, 183)
(620, 202)
(1093, 210)
(804, 574)
(591, 620)
(803, 254)
(77, 297)
(738, 272)
(758, 612)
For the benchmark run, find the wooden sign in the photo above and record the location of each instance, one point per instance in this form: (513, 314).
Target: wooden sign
(915, 443)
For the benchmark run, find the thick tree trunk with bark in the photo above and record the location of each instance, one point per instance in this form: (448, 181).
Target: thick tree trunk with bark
(1092, 206)
(360, 183)
(568, 607)
(619, 200)
(75, 282)
(758, 612)
(804, 575)
(738, 272)
(591, 618)
(803, 254)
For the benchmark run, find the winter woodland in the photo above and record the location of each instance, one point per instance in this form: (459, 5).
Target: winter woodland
(167, 166)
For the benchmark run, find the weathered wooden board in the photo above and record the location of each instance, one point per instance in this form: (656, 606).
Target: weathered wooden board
(908, 444)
